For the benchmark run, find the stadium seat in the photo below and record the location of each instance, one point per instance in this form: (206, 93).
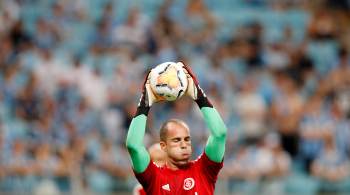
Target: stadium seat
(298, 183)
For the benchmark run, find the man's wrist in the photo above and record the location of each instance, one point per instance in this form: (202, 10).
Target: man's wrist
(203, 101)
(142, 110)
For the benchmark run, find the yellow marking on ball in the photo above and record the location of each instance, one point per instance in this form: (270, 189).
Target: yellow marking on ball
(169, 77)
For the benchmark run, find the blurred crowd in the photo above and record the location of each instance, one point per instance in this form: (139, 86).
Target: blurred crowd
(277, 71)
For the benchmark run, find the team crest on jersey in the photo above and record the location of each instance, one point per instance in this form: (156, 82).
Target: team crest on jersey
(188, 183)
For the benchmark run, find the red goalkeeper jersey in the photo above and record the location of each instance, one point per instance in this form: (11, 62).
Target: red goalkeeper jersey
(198, 178)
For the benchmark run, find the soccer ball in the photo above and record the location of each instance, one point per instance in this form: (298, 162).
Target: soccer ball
(168, 80)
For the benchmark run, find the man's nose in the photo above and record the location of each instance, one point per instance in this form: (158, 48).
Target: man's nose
(183, 144)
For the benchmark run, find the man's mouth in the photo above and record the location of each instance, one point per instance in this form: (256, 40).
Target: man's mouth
(186, 155)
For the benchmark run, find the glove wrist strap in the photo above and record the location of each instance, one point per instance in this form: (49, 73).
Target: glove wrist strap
(203, 101)
(142, 110)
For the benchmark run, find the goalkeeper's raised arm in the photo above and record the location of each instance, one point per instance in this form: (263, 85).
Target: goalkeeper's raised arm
(134, 141)
(215, 147)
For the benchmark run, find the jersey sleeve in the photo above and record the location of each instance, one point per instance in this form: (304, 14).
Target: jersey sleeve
(146, 177)
(210, 168)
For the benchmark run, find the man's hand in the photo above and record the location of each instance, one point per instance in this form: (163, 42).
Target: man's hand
(193, 89)
(147, 97)
(147, 94)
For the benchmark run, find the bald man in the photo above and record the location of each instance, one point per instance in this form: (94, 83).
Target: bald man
(178, 175)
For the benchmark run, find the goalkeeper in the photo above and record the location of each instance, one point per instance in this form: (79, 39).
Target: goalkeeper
(179, 175)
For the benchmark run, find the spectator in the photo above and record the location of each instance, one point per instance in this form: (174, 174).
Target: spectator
(102, 39)
(331, 166)
(315, 123)
(322, 26)
(286, 110)
(45, 36)
(49, 71)
(28, 101)
(252, 110)
(133, 31)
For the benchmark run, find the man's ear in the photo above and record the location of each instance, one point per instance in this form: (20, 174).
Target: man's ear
(162, 145)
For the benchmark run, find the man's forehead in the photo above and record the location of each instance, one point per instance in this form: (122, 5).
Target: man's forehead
(177, 130)
(177, 124)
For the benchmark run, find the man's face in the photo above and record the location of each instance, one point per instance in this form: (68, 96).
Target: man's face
(177, 144)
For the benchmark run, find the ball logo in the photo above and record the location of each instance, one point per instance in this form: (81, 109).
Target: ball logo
(188, 183)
